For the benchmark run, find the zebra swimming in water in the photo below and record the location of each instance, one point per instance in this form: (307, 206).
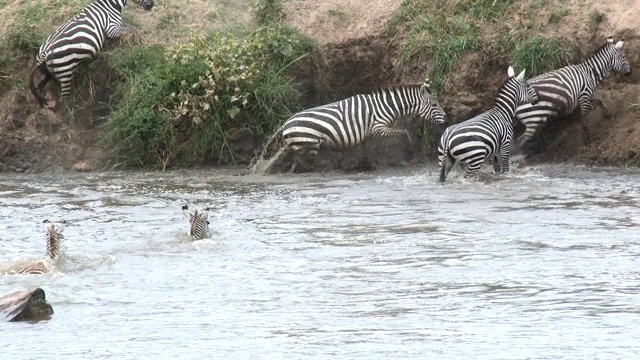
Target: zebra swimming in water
(351, 121)
(198, 222)
(54, 248)
(80, 38)
(562, 90)
(486, 136)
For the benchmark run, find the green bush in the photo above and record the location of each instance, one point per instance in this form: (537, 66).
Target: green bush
(189, 104)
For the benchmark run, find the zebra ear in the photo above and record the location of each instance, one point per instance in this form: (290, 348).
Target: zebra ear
(619, 44)
(610, 39)
(521, 75)
(511, 72)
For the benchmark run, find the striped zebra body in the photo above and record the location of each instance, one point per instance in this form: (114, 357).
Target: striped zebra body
(351, 121)
(80, 38)
(487, 136)
(54, 239)
(563, 90)
(198, 222)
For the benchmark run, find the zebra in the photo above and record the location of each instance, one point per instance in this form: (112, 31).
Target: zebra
(349, 122)
(54, 248)
(80, 38)
(562, 90)
(198, 222)
(486, 136)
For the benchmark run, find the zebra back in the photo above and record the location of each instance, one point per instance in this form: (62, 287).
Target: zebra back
(36, 269)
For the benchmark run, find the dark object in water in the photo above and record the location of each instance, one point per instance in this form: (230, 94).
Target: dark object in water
(25, 305)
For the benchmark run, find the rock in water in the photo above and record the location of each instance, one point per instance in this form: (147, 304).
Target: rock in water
(25, 305)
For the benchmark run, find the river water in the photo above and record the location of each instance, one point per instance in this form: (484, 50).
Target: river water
(540, 264)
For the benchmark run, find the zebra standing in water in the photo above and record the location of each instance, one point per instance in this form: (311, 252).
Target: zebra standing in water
(349, 122)
(198, 222)
(562, 90)
(488, 135)
(80, 38)
(54, 248)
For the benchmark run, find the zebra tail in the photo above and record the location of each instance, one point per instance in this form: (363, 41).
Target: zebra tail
(42, 68)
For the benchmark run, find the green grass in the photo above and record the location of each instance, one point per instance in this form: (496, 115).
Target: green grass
(557, 14)
(538, 54)
(434, 38)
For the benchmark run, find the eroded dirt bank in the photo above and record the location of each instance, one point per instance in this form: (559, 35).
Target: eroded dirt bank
(360, 57)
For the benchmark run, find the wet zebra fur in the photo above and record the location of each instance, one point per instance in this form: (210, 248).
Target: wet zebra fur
(198, 222)
(486, 136)
(562, 91)
(351, 121)
(80, 38)
(54, 239)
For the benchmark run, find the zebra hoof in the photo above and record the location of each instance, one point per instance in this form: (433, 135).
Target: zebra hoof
(25, 305)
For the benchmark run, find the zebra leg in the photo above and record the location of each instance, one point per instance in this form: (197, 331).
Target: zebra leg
(585, 109)
(65, 90)
(497, 169)
(384, 130)
(122, 29)
(504, 158)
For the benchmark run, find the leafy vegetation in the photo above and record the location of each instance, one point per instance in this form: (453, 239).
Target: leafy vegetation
(190, 102)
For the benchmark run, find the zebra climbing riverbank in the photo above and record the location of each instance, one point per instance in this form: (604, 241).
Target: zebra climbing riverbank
(351, 121)
(486, 136)
(80, 38)
(198, 222)
(54, 238)
(562, 90)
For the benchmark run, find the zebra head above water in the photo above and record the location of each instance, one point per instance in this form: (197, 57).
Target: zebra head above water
(146, 4)
(525, 94)
(198, 222)
(54, 237)
(618, 61)
(429, 109)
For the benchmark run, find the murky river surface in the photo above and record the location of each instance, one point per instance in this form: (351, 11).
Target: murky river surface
(541, 264)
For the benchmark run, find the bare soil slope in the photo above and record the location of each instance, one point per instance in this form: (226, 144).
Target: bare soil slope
(360, 57)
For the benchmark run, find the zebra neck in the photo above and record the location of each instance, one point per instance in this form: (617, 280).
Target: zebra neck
(392, 103)
(116, 4)
(54, 239)
(505, 106)
(599, 65)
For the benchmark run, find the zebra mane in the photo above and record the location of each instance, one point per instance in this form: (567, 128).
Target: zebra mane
(396, 87)
(54, 238)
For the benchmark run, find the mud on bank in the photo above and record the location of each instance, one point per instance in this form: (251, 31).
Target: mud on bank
(361, 54)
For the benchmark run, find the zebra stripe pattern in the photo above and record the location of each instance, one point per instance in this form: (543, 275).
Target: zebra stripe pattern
(54, 239)
(349, 122)
(562, 90)
(198, 222)
(488, 135)
(80, 38)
